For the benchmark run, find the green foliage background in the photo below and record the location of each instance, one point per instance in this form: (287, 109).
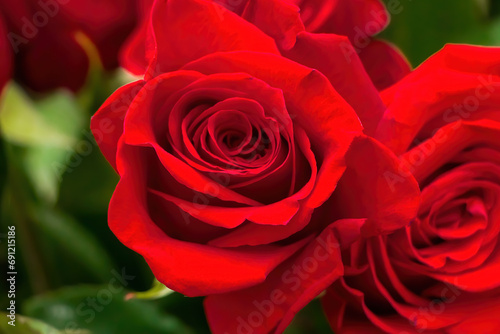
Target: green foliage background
(55, 187)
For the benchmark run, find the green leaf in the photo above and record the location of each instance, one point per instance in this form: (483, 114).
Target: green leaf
(102, 309)
(47, 130)
(22, 123)
(40, 167)
(157, 291)
(72, 243)
(61, 110)
(25, 325)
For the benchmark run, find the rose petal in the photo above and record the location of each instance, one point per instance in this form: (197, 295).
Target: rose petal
(190, 29)
(427, 157)
(335, 57)
(373, 187)
(223, 270)
(276, 18)
(473, 95)
(107, 123)
(344, 17)
(278, 213)
(138, 50)
(271, 306)
(384, 63)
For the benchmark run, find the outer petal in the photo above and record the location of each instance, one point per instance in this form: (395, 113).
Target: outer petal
(368, 190)
(276, 18)
(223, 269)
(107, 123)
(474, 94)
(138, 50)
(271, 306)
(186, 30)
(344, 17)
(384, 63)
(431, 155)
(335, 57)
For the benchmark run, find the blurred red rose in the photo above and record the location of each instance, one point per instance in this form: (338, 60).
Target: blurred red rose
(229, 153)
(440, 273)
(5, 56)
(42, 38)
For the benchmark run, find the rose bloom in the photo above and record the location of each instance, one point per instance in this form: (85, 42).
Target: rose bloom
(439, 274)
(242, 172)
(45, 38)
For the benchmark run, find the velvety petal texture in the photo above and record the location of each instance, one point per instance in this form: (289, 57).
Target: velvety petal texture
(439, 273)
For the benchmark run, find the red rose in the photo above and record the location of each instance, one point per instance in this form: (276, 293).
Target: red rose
(439, 274)
(43, 38)
(280, 21)
(228, 165)
(359, 20)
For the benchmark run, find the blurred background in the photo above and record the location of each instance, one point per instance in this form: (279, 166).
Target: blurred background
(72, 273)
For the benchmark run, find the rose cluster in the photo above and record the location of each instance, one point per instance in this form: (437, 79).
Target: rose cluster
(275, 151)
